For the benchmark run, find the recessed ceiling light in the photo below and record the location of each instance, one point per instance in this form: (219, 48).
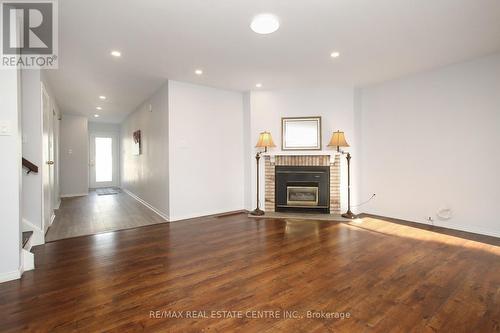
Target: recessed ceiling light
(265, 24)
(102, 97)
(98, 108)
(116, 53)
(198, 72)
(335, 54)
(259, 85)
(96, 116)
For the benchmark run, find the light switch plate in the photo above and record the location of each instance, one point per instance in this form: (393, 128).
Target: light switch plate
(5, 127)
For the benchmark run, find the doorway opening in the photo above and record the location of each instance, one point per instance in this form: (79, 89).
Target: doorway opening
(103, 160)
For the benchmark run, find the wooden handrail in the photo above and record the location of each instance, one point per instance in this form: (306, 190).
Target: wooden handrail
(30, 166)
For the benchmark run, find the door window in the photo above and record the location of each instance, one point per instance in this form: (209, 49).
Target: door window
(103, 159)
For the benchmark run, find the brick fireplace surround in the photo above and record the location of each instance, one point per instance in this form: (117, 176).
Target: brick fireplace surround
(271, 161)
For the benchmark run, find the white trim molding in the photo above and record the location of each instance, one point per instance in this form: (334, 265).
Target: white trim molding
(28, 260)
(9, 276)
(154, 209)
(471, 229)
(204, 214)
(74, 195)
(441, 224)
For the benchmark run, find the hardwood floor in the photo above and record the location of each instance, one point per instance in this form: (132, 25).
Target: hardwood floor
(94, 214)
(389, 278)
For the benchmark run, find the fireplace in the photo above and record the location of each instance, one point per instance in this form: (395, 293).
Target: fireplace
(302, 189)
(302, 196)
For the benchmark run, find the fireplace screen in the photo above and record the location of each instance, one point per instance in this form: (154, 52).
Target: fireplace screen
(302, 195)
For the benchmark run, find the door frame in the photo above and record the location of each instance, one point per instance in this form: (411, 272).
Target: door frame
(47, 121)
(116, 158)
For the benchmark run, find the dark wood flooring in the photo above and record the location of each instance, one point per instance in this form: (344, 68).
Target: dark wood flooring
(389, 278)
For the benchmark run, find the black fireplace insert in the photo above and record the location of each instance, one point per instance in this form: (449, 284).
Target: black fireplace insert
(304, 189)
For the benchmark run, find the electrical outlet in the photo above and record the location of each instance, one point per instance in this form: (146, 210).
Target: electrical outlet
(5, 128)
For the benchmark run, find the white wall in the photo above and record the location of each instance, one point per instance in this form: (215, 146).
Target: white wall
(74, 154)
(10, 177)
(95, 127)
(430, 141)
(32, 145)
(146, 175)
(333, 104)
(248, 151)
(206, 150)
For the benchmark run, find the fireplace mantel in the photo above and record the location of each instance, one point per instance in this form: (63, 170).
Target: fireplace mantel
(331, 153)
(333, 156)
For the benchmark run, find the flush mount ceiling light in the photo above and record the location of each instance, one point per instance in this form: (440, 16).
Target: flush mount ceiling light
(102, 97)
(98, 108)
(198, 72)
(116, 53)
(258, 85)
(265, 24)
(96, 116)
(335, 54)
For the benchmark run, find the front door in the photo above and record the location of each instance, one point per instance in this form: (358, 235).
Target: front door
(103, 160)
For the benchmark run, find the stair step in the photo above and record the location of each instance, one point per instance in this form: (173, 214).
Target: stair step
(26, 237)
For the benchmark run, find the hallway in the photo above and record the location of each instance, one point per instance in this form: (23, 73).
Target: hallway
(94, 214)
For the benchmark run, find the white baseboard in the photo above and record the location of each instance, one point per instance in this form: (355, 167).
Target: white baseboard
(145, 203)
(9, 276)
(28, 260)
(52, 218)
(471, 229)
(203, 214)
(38, 237)
(74, 195)
(177, 218)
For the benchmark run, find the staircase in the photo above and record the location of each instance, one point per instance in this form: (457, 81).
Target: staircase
(26, 238)
(28, 258)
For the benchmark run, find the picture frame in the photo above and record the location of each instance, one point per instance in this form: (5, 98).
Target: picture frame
(301, 133)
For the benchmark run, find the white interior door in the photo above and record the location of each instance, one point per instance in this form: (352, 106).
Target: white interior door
(55, 157)
(48, 161)
(103, 160)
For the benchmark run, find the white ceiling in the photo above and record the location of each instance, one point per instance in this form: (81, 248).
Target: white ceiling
(161, 39)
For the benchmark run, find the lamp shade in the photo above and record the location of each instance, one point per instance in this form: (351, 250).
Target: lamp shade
(265, 140)
(338, 140)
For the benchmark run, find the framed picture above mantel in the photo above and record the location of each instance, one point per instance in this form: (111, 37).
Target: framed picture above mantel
(301, 133)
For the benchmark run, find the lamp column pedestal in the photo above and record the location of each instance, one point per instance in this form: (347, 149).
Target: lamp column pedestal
(349, 214)
(257, 211)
